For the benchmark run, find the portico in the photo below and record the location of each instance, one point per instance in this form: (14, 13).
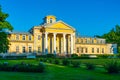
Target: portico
(58, 43)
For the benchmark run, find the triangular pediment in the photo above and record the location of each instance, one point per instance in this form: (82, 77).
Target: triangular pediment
(60, 25)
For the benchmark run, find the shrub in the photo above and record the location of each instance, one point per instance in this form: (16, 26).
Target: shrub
(112, 67)
(104, 56)
(56, 61)
(90, 66)
(40, 67)
(50, 55)
(75, 63)
(65, 62)
(23, 67)
(74, 55)
(44, 59)
(50, 60)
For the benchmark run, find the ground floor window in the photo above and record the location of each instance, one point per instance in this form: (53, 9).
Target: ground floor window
(86, 50)
(17, 49)
(102, 50)
(38, 49)
(30, 49)
(23, 49)
(77, 49)
(92, 50)
(97, 50)
(81, 50)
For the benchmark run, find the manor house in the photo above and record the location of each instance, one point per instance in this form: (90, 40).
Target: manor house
(56, 37)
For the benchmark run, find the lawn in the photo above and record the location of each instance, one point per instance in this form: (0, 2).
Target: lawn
(58, 72)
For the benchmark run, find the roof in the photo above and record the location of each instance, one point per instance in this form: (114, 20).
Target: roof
(19, 32)
(47, 25)
(87, 37)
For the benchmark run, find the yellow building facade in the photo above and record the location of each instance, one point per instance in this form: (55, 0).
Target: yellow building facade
(55, 37)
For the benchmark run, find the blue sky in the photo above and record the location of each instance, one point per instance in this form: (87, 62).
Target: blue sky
(89, 17)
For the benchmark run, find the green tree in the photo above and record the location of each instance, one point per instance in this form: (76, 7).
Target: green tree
(4, 42)
(3, 22)
(113, 36)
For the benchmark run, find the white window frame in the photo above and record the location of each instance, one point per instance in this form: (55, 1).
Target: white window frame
(24, 37)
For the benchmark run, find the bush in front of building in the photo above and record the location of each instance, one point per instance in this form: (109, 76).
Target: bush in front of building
(104, 56)
(74, 56)
(75, 64)
(56, 61)
(65, 62)
(112, 66)
(90, 66)
(50, 55)
(23, 67)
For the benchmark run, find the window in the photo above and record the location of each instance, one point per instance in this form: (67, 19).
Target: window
(17, 49)
(92, 40)
(81, 50)
(30, 49)
(85, 40)
(38, 37)
(30, 37)
(77, 40)
(23, 49)
(86, 50)
(81, 40)
(24, 37)
(97, 50)
(102, 50)
(92, 50)
(17, 37)
(77, 49)
(38, 49)
(50, 20)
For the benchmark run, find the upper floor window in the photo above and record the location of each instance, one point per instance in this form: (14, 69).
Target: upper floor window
(92, 40)
(77, 40)
(23, 37)
(30, 37)
(17, 37)
(38, 37)
(81, 40)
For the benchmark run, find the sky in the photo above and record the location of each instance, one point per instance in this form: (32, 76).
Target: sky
(88, 17)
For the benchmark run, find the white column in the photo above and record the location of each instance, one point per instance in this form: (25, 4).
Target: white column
(64, 38)
(54, 34)
(71, 44)
(46, 42)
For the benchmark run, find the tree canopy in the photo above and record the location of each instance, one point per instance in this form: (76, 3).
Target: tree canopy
(4, 42)
(3, 22)
(113, 36)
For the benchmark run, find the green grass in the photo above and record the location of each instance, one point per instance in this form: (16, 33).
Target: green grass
(58, 72)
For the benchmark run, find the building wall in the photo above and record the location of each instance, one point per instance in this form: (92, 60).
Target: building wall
(14, 42)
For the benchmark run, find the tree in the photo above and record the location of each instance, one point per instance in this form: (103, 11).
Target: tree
(4, 42)
(113, 36)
